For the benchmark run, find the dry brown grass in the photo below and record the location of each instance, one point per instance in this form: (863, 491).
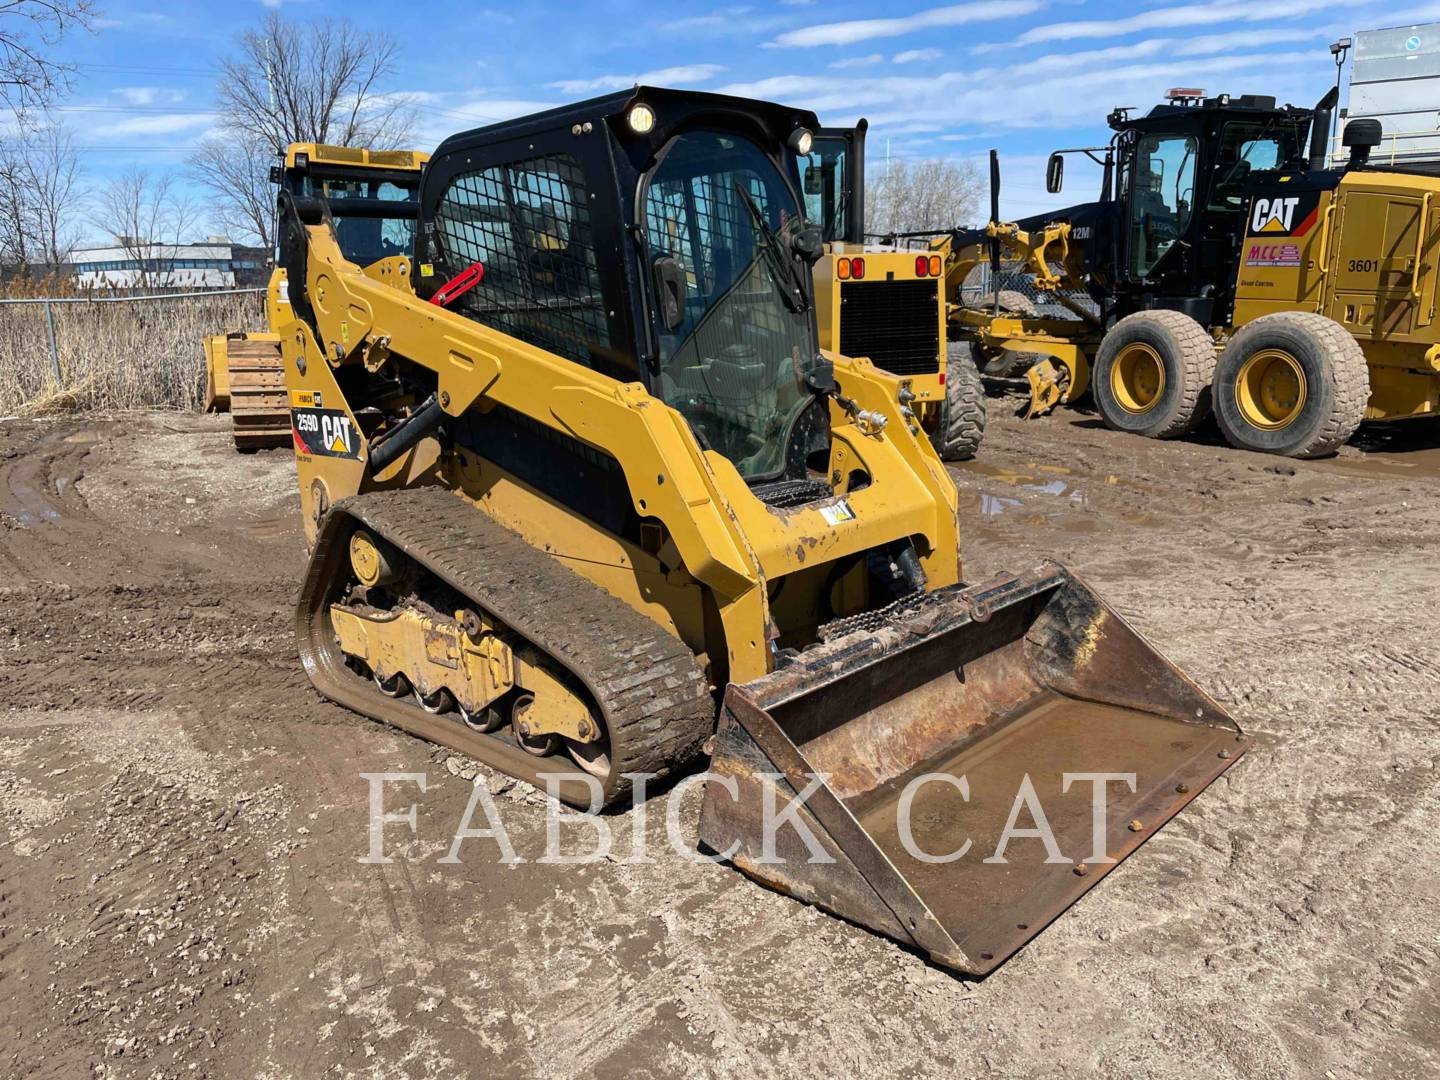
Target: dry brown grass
(115, 355)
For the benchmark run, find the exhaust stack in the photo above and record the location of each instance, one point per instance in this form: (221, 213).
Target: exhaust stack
(1320, 127)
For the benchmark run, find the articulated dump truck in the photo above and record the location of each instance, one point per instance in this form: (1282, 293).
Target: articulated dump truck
(587, 500)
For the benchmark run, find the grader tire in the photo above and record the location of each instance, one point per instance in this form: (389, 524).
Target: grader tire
(1292, 383)
(1011, 303)
(961, 428)
(1152, 374)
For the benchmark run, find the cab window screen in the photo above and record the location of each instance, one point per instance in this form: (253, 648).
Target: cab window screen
(1248, 146)
(528, 224)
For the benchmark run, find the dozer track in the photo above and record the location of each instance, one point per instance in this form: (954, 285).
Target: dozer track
(648, 686)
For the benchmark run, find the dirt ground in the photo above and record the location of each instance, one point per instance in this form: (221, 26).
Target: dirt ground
(181, 817)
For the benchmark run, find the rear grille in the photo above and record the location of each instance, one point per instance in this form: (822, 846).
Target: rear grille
(894, 323)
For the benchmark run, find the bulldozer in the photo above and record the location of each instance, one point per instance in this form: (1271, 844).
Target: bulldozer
(376, 218)
(590, 504)
(1229, 270)
(887, 304)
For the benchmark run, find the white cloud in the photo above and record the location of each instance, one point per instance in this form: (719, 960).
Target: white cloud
(1008, 97)
(1135, 51)
(682, 75)
(847, 33)
(916, 56)
(1174, 18)
(859, 61)
(159, 125)
(147, 95)
(728, 22)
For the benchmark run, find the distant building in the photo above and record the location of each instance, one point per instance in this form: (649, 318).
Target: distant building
(1395, 79)
(214, 264)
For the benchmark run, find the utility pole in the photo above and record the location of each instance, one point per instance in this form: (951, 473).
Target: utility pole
(1338, 51)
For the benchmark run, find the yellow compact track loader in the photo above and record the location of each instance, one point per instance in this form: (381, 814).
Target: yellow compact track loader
(592, 485)
(374, 196)
(887, 305)
(1229, 271)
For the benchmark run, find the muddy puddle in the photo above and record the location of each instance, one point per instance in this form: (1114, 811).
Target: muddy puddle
(1000, 490)
(1408, 450)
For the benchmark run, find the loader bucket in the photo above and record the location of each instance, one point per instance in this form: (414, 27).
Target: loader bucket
(1027, 678)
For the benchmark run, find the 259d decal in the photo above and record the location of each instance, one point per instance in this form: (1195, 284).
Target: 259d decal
(325, 432)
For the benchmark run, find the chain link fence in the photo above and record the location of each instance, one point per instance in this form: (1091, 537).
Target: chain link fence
(114, 352)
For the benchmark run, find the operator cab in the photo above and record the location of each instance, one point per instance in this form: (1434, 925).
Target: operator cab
(657, 236)
(370, 195)
(1182, 179)
(1177, 184)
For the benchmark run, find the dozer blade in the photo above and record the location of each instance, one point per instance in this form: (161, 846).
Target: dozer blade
(970, 702)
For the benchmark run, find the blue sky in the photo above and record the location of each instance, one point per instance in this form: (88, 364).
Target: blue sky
(1025, 76)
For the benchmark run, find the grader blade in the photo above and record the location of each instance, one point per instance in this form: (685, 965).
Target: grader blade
(975, 724)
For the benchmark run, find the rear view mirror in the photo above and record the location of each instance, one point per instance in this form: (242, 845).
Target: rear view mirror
(671, 287)
(1055, 173)
(808, 242)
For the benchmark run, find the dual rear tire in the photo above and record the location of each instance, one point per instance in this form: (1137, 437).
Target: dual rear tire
(1292, 383)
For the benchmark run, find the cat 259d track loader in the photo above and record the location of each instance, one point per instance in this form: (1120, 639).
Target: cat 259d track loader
(592, 482)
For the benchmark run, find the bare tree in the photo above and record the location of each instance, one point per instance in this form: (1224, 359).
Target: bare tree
(15, 218)
(54, 181)
(314, 82)
(29, 79)
(40, 194)
(144, 213)
(933, 193)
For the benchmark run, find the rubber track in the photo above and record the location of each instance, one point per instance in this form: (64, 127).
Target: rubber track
(651, 689)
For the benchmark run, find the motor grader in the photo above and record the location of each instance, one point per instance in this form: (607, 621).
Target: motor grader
(887, 304)
(1231, 271)
(374, 196)
(589, 503)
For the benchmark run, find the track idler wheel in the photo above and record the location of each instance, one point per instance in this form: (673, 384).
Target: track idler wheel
(542, 744)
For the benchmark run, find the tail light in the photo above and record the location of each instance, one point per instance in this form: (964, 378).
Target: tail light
(922, 266)
(857, 268)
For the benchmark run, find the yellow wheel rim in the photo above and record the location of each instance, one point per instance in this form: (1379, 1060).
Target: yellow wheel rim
(1137, 378)
(1270, 389)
